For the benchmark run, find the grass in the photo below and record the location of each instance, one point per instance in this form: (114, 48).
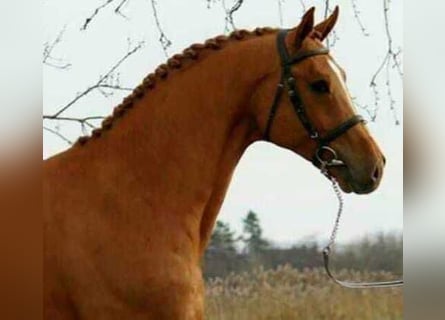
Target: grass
(286, 293)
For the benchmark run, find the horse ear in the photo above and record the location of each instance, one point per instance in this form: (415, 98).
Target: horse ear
(305, 27)
(326, 26)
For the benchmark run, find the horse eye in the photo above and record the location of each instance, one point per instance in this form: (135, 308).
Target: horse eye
(320, 86)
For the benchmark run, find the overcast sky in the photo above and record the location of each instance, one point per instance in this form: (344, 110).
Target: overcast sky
(292, 199)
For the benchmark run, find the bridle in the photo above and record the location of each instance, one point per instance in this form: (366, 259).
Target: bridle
(287, 81)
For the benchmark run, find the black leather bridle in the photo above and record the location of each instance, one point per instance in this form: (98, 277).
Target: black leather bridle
(288, 81)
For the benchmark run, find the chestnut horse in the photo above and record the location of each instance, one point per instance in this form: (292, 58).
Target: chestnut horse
(129, 210)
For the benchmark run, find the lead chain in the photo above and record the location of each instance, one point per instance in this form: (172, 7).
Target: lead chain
(328, 248)
(339, 195)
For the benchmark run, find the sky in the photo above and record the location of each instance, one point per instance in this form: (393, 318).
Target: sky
(293, 201)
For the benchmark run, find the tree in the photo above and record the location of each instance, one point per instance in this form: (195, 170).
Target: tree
(253, 234)
(223, 238)
(221, 256)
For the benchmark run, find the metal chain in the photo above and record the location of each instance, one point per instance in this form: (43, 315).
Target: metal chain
(329, 246)
(339, 212)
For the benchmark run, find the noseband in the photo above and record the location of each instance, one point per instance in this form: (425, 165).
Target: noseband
(288, 82)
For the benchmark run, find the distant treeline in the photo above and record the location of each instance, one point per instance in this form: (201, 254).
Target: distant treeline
(228, 252)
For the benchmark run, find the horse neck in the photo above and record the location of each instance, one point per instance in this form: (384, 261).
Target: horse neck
(181, 142)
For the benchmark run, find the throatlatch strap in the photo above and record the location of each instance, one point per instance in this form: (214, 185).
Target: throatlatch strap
(273, 110)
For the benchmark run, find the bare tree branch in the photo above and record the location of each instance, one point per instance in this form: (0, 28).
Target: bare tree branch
(58, 134)
(280, 11)
(371, 112)
(332, 38)
(357, 17)
(96, 11)
(119, 7)
(165, 42)
(229, 13)
(326, 13)
(394, 55)
(391, 57)
(49, 59)
(303, 5)
(210, 3)
(101, 83)
(374, 88)
(392, 102)
(114, 87)
(84, 122)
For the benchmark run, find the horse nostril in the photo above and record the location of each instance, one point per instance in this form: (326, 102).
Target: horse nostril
(384, 159)
(376, 174)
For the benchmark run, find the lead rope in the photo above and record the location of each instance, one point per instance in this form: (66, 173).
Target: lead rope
(327, 250)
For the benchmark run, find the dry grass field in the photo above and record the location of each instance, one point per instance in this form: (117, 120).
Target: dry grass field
(286, 293)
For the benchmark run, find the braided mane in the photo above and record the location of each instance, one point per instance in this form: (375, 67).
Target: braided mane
(175, 62)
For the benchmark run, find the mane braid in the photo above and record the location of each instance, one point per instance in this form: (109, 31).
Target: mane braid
(162, 71)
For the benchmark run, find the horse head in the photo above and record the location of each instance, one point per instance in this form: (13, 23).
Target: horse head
(312, 112)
